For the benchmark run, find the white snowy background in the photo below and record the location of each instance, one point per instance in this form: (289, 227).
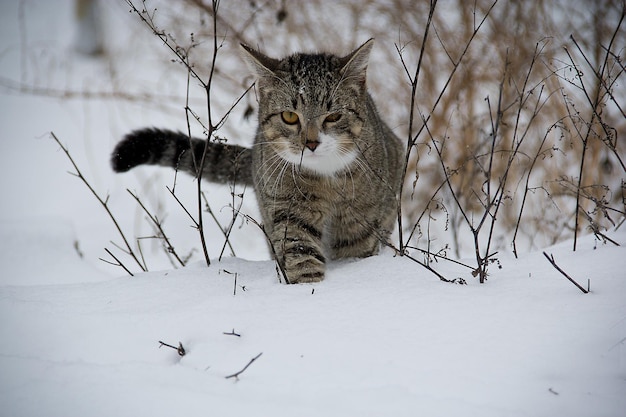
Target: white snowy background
(379, 337)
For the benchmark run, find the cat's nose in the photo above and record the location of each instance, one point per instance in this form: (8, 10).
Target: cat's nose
(311, 136)
(312, 145)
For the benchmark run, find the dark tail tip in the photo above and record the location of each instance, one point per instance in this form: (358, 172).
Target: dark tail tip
(135, 149)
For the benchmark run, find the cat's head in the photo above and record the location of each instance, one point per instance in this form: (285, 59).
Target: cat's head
(312, 107)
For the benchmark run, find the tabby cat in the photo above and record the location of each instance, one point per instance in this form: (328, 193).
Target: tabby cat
(325, 168)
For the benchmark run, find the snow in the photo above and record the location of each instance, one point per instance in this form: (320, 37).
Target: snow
(380, 336)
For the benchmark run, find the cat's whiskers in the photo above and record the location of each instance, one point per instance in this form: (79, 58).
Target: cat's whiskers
(299, 179)
(279, 178)
(269, 164)
(277, 165)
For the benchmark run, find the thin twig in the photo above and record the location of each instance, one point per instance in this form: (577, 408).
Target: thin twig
(119, 263)
(437, 256)
(236, 374)
(229, 229)
(168, 246)
(527, 184)
(279, 266)
(410, 141)
(550, 259)
(211, 130)
(224, 233)
(180, 203)
(103, 202)
(180, 349)
(235, 274)
(605, 237)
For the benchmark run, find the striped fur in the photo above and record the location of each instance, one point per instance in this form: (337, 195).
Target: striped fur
(222, 163)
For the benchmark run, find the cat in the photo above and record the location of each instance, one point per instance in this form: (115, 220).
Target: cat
(326, 169)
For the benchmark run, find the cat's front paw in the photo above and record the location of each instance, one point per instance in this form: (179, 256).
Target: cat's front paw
(304, 268)
(301, 259)
(305, 279)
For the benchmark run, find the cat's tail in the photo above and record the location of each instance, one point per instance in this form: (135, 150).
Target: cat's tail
(222, 163)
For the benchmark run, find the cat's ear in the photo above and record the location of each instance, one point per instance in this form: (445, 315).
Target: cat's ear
(259, 64)
(355, 63)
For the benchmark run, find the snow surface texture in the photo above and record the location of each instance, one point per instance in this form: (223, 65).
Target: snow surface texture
(379, 337)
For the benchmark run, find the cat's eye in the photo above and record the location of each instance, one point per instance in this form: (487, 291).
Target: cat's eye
(289, 117)
(333, 117)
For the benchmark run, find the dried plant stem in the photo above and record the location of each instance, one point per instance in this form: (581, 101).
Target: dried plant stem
(211, 129)
(600, 76)
(595, 105)
(168, 246)
(224, 232)
(183, 55)
(279, 266)
(229, 229)
(437, 256)
(550, 259)
(180, 203)
(410, 140)
(116, 263)
(527, 189)
(414, 80)
(103, 203)
(433, 271)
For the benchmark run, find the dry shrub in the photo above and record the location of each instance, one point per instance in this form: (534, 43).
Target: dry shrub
(522, 59)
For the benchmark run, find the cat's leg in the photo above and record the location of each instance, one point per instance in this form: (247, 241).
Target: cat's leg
(296, 237)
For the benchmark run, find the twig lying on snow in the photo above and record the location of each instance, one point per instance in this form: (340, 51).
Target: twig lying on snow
(235, 284)
(550, 259)
(180, 349)
(231, 333)
(236, 374)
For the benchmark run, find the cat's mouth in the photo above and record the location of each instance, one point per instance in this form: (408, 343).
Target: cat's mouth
(325, 157)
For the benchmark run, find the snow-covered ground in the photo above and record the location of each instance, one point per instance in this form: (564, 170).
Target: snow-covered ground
(379, 337)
